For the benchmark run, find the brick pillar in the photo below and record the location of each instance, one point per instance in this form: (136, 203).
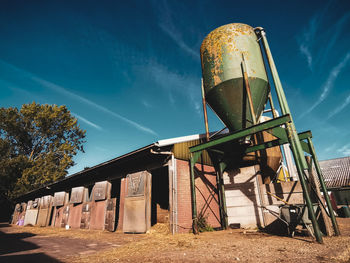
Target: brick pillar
(206, 197)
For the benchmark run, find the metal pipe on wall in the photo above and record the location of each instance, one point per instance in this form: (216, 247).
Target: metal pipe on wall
(173, 176)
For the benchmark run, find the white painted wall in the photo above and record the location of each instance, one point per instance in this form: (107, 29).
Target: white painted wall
(242, 197)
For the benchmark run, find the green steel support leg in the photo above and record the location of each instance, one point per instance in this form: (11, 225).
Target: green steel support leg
(194, 157)
(292, 136)
(221, 187)
(307, 198)
(222, 216)
(220, 200)
(323, 187)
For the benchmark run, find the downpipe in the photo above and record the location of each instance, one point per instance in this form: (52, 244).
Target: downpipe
(172, 169)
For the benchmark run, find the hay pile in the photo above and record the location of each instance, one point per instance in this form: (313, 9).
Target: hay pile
(159, 229)
(158, 240)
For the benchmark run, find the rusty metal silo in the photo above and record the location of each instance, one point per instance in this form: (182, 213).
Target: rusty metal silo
(226, 54)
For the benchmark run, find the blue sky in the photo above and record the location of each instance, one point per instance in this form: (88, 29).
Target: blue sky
(130, 70)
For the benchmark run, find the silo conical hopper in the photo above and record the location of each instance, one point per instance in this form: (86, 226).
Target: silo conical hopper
(222, 54)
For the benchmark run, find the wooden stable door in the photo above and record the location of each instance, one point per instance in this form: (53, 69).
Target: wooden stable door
(137, 205)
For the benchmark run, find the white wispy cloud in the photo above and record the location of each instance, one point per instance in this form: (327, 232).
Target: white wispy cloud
(332, 36)
(340, 108)
(146, 104)
(329, 83)
(23, 92)
(64, 91)
(87, 121)
(169, 28)
(306, 41)
(304, 49)
(79, 98)
(330, 148)
(101, 149)
(175, 35)
(174, 83)
(345, 150)
(316, 41)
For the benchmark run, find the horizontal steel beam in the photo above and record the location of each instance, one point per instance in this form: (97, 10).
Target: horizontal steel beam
(243, 133)
(304, 135)
(277, 142)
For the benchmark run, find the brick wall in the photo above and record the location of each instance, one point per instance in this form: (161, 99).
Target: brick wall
(205, 194)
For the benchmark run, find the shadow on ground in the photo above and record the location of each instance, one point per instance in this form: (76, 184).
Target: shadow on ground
(13, 248)
(29, 258)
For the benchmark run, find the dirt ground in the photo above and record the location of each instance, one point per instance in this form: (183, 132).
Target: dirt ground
(35, 244)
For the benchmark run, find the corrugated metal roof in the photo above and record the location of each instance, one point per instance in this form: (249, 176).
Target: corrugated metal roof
(336, 172)
(180, 148)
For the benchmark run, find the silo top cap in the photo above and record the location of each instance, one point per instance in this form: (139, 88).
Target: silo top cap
(224, 34)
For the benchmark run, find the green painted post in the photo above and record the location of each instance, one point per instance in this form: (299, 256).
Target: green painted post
(292, 135)
(323, 186)
(220, 200)
(218, 182)
(221, 185)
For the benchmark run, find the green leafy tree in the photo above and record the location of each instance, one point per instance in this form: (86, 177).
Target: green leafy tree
(37, 145)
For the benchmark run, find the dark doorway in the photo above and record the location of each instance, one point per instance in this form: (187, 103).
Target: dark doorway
(115, 193)
(160, 196)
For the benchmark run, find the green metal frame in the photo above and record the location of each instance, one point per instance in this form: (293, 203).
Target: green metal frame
(308, 148)
(278, 132)
(293, 139)
(284, 129)
(243, 133)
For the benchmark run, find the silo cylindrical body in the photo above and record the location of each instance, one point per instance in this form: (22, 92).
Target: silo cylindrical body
(225, 91)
